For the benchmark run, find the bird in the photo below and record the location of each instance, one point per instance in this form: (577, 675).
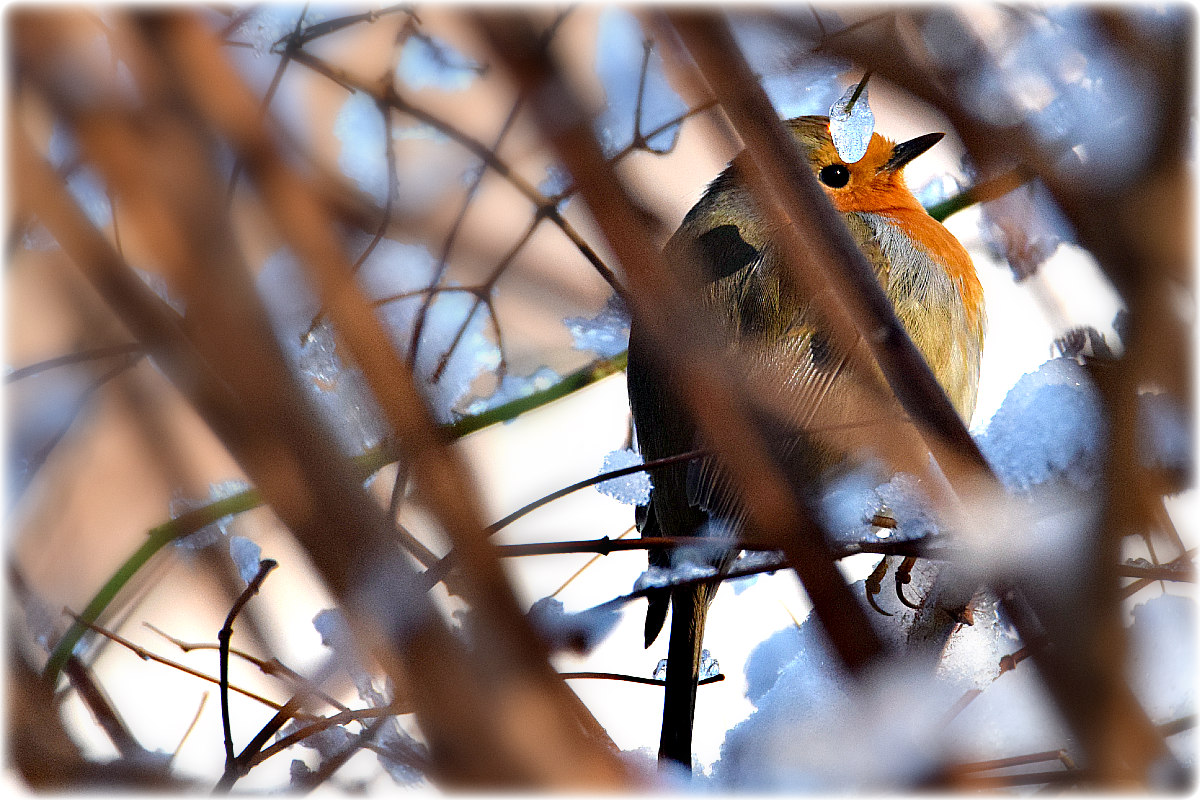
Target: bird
(723, 251)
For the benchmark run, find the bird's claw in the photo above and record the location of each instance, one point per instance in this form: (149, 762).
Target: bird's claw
(904, 576)
(874, 585)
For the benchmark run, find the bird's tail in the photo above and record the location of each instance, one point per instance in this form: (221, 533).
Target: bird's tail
(689, 611)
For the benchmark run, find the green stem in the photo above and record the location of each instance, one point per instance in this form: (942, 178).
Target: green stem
(980, 193)
(368, 463)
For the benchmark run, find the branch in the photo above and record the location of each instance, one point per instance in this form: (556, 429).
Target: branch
(224, 635)
(147, 655)
(109, 351)
(613, 676)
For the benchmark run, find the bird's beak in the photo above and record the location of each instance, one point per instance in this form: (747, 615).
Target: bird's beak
(907, 151)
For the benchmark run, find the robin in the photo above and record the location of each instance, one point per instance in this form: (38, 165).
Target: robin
(724, 251)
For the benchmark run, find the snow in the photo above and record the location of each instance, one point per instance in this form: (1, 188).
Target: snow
(360, 128)
(658, 577)
(814, 728)
(709, 667)
(1025, 227)
(1162, 656)
(556, 182)
(339, 389)
(851, 127)
(515, 387)
(246, 556)
(336, 635)
(82, 182)
(605, 334)
(269, 23)
(158, 285)
(1049, 426)
(428, 62)
(853, 499)
(938, 189)
(633, 489)
(580, 631)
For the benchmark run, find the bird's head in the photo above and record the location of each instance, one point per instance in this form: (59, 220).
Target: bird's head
(873, 183)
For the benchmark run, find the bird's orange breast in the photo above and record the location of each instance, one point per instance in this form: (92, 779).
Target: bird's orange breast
(933, 237)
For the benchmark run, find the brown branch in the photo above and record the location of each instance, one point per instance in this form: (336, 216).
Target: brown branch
(1066, 777)
(96, 353)
(316, 726)
(590, 562)
(1175, 571)
(103, 711)
(147, 655)
(1013, 761)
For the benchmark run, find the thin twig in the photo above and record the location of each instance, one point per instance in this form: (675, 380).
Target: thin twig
(589, 564)
(191, 727)
(316, 726)
(273, 666)
(1012, 761)
(452, 236)
(224, 635)
(616, 676)
(147, 655)
(481, 151)
(96, 353)
(239, 766)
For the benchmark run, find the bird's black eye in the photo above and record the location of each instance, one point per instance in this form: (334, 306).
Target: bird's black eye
(835, 175)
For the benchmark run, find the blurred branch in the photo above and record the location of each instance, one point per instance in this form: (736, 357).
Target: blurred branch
(1181, 564)
(1157, 572)
(103, 711)
(95, 353)
(42, 753)
(36, 461)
